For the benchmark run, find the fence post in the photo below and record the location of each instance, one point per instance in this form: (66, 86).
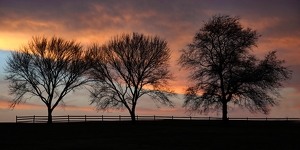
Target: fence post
(84, 118)
(190, 117)
(16, 119)
(287, 118)
(102, 117)
(137, 118)
(68, 118)
(119, 117)
(172, 117)
(33, 119)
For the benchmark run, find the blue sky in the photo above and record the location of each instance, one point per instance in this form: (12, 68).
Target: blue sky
(175, 21)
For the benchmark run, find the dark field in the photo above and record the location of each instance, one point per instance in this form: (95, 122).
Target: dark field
(152, 135)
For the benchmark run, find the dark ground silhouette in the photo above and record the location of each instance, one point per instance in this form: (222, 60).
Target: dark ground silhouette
(152, 135)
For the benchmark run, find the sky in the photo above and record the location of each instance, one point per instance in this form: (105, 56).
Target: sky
(176, 21)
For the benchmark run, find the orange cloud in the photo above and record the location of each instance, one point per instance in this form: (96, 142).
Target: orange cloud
(5, 105)
(260, 24)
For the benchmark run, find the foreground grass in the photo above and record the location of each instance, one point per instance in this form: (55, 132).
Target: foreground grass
(152, 135)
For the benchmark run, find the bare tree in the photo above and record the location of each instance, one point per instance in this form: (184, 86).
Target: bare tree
(128, 67)
(46, 68)
(223, 70)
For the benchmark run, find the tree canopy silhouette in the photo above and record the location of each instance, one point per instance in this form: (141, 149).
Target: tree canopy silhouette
(128, 67)
(223, 70)
(46, 68)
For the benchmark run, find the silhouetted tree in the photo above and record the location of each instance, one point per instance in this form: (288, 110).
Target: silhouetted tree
(46, 68)
(128, 67)
(223, 70)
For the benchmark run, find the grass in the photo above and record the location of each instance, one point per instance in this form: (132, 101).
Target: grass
(154, 135)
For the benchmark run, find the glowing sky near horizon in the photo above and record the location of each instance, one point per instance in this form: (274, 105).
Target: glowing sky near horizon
(176, 21)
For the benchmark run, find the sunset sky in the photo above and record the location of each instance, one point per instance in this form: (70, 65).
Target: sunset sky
(176, 21)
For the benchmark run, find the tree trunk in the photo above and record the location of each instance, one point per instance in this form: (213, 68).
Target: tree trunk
(49, 116)
(224, 111)
(132, 115)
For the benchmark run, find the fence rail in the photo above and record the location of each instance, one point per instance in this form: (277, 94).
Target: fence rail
(64, 119)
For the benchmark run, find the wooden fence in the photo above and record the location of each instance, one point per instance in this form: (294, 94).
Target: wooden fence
(66, 119)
